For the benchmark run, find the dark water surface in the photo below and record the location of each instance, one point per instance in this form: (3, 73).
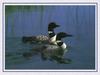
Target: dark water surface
(81, 54)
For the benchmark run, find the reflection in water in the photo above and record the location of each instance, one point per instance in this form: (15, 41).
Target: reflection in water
(22, 53)
(56, 55)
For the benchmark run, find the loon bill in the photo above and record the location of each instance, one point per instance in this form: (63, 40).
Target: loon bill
(43, 38)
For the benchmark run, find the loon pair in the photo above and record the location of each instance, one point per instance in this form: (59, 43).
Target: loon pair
(52, 38)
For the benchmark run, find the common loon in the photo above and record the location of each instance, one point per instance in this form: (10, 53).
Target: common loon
(59, 39)
(57, 51)
(51, 38)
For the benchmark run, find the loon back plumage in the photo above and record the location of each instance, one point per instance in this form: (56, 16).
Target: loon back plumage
(42, 38)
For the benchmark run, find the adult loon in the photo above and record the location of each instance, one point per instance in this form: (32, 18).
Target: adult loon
(56, 52)
(51, 38)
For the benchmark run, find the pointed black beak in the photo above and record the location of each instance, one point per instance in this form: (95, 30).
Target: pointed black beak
(68, 35)
(57, 25)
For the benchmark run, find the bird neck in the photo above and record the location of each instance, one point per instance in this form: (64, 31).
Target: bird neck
(58, 38)
(50, 28)
(61, 44)
(51, 33)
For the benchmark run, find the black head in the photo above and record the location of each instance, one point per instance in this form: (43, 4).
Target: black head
(62, 35)
(52, 25)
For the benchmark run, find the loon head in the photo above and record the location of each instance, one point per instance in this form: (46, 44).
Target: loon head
(59, 38)
(51, 32)
(61, 35)
(52, 25)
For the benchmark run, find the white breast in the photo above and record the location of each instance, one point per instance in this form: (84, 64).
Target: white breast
(64, 46)
(53, 39)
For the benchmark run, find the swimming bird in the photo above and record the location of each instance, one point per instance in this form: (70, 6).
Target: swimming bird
(59, 39)
(51, 38)
(57, 51)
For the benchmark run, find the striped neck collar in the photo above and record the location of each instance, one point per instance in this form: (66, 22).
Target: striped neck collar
(58, 41)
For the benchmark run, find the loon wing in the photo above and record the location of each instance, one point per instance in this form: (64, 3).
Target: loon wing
(35, 39)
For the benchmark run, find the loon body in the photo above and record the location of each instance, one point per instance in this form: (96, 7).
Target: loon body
(51, 38)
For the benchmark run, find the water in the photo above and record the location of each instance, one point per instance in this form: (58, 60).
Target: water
(76, 20)
(81, 58)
